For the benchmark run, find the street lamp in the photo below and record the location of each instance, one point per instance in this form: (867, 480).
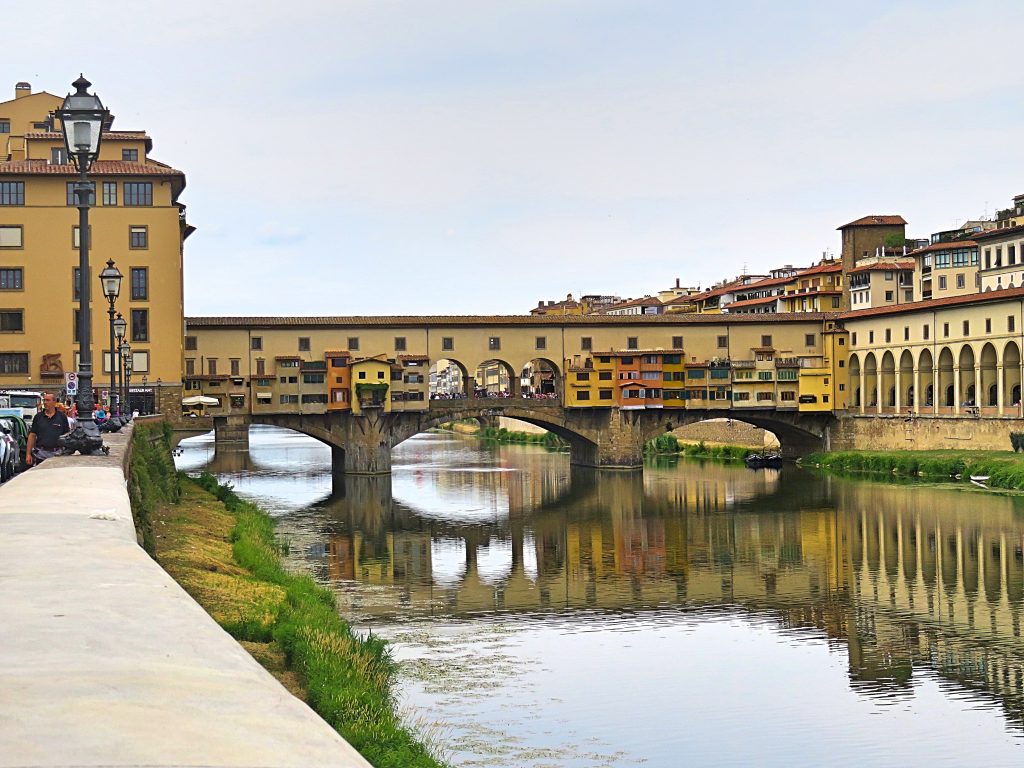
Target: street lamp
(120, 328)
(126, 362)
(110, 279)
(82, 117)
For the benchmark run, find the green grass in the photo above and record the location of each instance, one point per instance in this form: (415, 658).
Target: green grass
(1004, 468)
(503, 435)
(152, 478)
(348, 679)
(668, 445)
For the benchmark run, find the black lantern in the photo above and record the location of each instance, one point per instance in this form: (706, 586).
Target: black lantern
(82, 118)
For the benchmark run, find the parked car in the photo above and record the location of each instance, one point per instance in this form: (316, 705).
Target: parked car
(13, 442)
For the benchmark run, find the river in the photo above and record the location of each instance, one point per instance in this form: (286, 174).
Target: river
(693, 614)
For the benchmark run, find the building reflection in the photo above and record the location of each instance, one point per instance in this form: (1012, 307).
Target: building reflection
(899, 576)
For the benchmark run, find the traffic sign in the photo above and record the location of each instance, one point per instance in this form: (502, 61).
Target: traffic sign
(71, 382)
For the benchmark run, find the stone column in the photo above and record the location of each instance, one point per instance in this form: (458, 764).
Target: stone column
(956, 389)
(935, 389)
(917, 390)
(899, 383)
(231, 432)
(863, 390)
(977, 384)
(878, 391)
(1000, 388)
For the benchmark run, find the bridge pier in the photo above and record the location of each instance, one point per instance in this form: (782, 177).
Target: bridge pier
(231, 432)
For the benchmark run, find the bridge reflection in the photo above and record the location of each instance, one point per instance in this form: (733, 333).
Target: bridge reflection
(897, 576)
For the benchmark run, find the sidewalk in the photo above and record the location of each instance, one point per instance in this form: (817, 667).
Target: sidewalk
(106, 661)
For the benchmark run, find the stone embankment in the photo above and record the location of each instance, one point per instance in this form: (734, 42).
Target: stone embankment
(107, 661)
(726, 432)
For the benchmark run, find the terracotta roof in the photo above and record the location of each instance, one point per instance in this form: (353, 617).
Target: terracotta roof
(412, 358)
(883, 266)
(287, 357)
(646, 301)
(477, 321)
(637, 352)
(835, 266)
(970, 298)
(751, 302)
(992, 234)
(337, 353)
(875, 221)
(944, 246)
(99, 168)
(112, 135)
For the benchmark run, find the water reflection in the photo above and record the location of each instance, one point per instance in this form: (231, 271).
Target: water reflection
(905, 582)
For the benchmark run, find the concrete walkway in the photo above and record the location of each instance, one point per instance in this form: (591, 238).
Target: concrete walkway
(106, 661)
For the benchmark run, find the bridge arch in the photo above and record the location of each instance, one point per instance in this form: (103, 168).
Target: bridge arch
(545, 377)
(854, 368)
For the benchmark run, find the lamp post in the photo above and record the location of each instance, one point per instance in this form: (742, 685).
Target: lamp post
(82, 117)
(126, 350)
(120, 327)
(110, 279)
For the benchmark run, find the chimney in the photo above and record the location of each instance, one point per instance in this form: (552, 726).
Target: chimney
(22, 89)
(677, 283)
(540, 303)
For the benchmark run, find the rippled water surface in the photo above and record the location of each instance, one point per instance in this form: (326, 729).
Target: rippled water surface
(694, 614)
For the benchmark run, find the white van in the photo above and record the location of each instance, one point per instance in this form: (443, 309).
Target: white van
(28, 402)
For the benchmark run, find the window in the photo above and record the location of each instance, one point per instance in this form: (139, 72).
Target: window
(256, 343)
(961, 281)
(400, 343)
(583, 395)
(761, 396)
(493, 342)
(788, 374)
(303, 343)
(694, 373)
(906, 333)
(5, 126)
(10, 237)
(447, 343)
(235, 365)
(723, 342)
(787, 395)
(871, 337)
(740, 396)
(13, 362)
(211, 365)
(130, 155)
(140, 325)
(73, 197)
(888, 295)
(261, 369)
(945, 330)
(110, 193)
(312, 378)
(842, 363)
(766, 341)
(677, 342)
(967, 327)
(12, 192)
(191, 343)
(853, 338)
(12, 321)
(190, 366)
(764, 375)
(138, 237)
(289, 399)
(604, 375)
(582, 376)
(809, 340)
(353, 343)
(888, 335)
(58, 156)
(1011, 323)
(908, 295)
(604, 394)
(835, 302)
(926, 331)
(942, 282)
(288, 364)
(541, 342)
(586, 343)
(988, 325)
(632, 342)
(140, 283)
(11, 279)
(138, 193)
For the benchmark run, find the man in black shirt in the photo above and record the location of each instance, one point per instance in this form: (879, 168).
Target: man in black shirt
(47, 427)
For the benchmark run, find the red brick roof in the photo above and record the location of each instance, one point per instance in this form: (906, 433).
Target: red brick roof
(99, 168)
(970, 298)
(945, 246)
(412, 358)
(992, 234)
(337, 353)
(820, 269)
(884, 266)
(876, 221)
(751, 302)
(112, 135)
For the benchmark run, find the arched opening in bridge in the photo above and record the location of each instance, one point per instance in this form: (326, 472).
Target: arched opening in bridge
(870, 380)
(1011, 374)
(987, 366)
(907, 379)
(714, 432)
(540, 378)
(968, 391)
(448, 380)
(946, 377)
(889, 380)
(925, 374)
(855, 379)
(495, 378)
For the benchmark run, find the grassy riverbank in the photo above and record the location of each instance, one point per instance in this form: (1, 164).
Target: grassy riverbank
(1004, 469)
(223, 551)
(503, 435)
(669, 445)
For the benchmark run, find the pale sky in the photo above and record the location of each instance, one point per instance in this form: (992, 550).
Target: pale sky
(421, 157)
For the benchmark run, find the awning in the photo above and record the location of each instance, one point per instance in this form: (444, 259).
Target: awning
(200, 400)
(264, 396)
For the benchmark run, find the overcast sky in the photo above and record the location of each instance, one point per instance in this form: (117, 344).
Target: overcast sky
(380, 157)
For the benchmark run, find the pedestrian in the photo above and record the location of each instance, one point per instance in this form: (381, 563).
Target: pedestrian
(99, 415)
(47, 427)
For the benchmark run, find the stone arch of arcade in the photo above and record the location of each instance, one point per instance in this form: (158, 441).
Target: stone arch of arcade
(943, 379)
(604, 438)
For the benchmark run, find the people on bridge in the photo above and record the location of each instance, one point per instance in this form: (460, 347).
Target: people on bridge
(47, 427)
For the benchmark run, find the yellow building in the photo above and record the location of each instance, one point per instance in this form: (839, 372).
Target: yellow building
(137, 220)
(371, 381)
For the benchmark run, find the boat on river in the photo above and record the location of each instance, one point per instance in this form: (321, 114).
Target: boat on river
(762, 460)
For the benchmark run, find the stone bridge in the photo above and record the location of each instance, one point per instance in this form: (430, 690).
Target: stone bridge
(609, 438)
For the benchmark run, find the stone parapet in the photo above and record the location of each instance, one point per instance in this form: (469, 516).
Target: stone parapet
(923, 433)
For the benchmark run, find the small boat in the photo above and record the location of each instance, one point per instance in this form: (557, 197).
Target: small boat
(762, 460)
(979, 478)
